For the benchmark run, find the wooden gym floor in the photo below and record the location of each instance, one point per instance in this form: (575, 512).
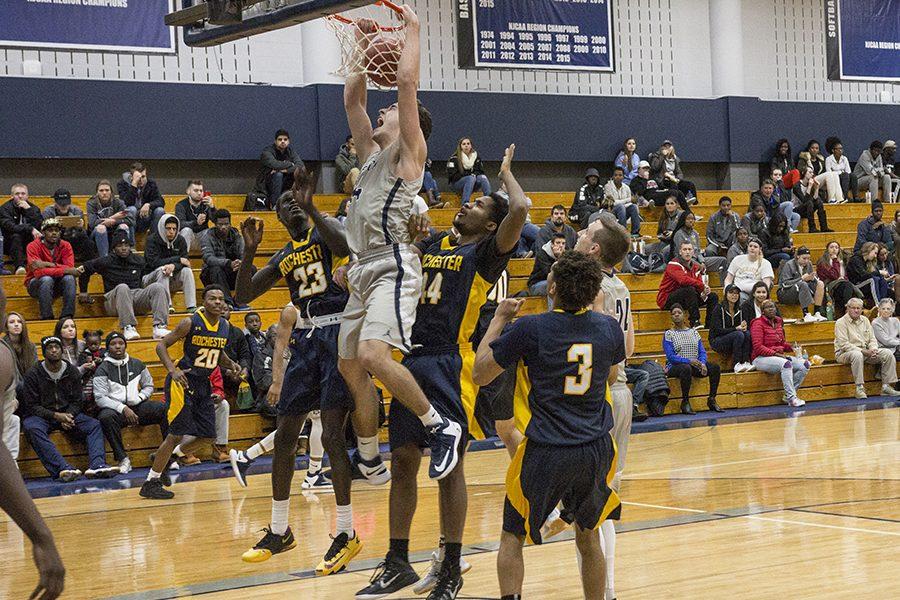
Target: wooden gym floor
(800, 507)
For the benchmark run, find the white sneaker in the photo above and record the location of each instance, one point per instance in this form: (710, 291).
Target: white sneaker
(861, 392)
(129, 332)
(21, 271)
(125, 466)
(739, 368)
(69, 474)
(428, 581)
(160, 332)
(810, 318)
(749, 366)
(795, 402)
(887, 390)
(101, 473)
(820, 317)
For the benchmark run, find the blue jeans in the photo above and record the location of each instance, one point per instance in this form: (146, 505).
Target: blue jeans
(37, 430)
(624, 212)
(144, 224)
(46, 289)
(431, 186)
(466, 185)
(101, 236)
(277, 183)
(776, 258)
(787, 209)
(527, 239)
(540, 289)
(639, 378)
(734, 343)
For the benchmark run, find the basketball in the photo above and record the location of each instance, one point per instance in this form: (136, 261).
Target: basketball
(382, 56)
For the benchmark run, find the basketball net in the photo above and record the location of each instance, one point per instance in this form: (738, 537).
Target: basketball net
(371, 39)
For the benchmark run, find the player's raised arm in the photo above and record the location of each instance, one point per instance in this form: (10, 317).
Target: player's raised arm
(332, 231)
(412, 141)
(355, 98)
(510, 228)
(282, 336)
(249, 286)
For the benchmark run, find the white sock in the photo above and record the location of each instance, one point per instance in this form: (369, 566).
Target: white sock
(609, 549)
(441, 549)
(314, 466)
(315, 438)
(153, 475)
(261, 447)
(280, 516)
(554, 515)
(345, 520)
(367, 446)
(431, 417)
(178, 451)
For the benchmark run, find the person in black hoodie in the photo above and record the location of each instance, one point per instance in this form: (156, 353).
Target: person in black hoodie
(141, 197)
(588, 198)
(122, 271)
(276, 169)
(20, 223)
(729, 333)
(544, 258)
(52, 399)
(166, 255)
(194, 213)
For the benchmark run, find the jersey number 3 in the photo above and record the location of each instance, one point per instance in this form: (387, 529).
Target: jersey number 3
(583, 354)
(312, 279)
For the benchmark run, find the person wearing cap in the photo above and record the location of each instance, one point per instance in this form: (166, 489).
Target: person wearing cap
(46, 278)
(166, 253)
(107, 214)
(141, 196)
(645, 188)
(729, 333)
(124, 294)
(20, 223)
(82, 245)
(798, 284)
(870, 173)
(873, 229)
(52, 399)
(123, 388)
(665, 169)
(588, 198)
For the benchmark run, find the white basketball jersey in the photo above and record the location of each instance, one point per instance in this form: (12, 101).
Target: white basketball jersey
(617, 303)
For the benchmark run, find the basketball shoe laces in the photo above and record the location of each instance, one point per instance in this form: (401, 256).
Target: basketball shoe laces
(338, 543)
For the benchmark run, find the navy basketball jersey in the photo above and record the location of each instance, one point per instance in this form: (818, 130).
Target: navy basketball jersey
(307, 267)
(564, 360)
(203, 345)
(455, 284)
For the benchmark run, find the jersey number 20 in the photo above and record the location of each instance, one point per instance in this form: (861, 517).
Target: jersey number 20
(312, 279)
(583, 354)
(207, 358)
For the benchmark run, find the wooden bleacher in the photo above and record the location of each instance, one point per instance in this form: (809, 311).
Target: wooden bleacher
(735, 391)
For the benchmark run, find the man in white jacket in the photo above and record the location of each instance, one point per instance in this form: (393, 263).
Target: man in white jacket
(122, 389)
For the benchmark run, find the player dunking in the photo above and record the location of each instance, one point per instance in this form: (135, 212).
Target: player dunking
(386, 279)
(308, 327)
(566, 357)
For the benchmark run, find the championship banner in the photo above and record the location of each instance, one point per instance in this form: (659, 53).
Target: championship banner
(119, 25)
(537, 34)
(863, 39)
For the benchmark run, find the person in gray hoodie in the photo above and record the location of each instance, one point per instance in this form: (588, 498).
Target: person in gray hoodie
(870, 173)
(721, 228)
(123, 388)
(798, 284)
(556, 224)
(166, 254)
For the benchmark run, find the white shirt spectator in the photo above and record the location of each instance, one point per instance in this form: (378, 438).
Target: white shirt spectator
(747, 272)
(841, 167)
(621, 195)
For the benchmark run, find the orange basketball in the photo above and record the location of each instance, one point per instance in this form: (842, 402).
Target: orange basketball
(382, 56)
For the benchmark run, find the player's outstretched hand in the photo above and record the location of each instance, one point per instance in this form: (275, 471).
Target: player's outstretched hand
(304, 188)
(506, 165)
(509, 308)
(419, 227)
(252, 232)
(50, 569)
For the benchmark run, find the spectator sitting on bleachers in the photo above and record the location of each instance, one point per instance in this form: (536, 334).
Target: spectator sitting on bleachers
(647, 190)
(884, 264)
(124, 296)
(88, 361)
(862, 271)
(828, 183)
(873, 229)
(669, 218)
(782, 191)
(222, 248)
(107, 214)
(166, 255)
(665, 169)
(747, 269)
(83, 247)
(638, 379)
(52, 399)
(556, 223)
(347, 163)
(686, 358)
(66, 331)
(895, 236)
(811, 158)
(20, 222)
(888, 159)
(772, 354)
(682, 284)
(773, 203)
(46, 279)
(739, 247)
(887, 327)
(237, 350)
(276, 170)
(629, 160)
(261, 370)
(838, 163)
(619, 194)
(544, 258)
(728, 332)
(756, 221)
(685, 232)
(855, 344)
(782, 159)
(721, 228)
(870, 173)
(833, 273)
(588, 199)
(776, 241)
(806, 199)
(256, 339)
(751, 308)
(798, 284)
(430, 188)
(24, 353)
(122, 390)
(141, 197)
(194, 214)
(466, 171)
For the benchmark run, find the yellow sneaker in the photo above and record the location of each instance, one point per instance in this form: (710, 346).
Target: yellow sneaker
(343, 549)
(272, 543)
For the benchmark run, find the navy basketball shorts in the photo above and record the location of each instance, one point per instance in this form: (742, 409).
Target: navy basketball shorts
(190, 411)
(311, 379)
(541, 476)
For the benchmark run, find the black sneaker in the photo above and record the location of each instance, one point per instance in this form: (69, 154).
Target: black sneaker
(270, 544)
(444, 441)
(390, 576)
(447, 586)
(153, 489)
(373, 472)
(165, 478)
(636, 415)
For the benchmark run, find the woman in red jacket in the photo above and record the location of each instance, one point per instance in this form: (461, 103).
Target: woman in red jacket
(772, 354)
(682, 283)
(832, 270)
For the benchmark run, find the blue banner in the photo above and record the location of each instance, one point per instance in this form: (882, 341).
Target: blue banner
(120, 25)
(538, 34)
(863, 39)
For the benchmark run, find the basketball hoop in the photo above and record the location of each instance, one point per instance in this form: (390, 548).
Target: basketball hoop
(371, 40)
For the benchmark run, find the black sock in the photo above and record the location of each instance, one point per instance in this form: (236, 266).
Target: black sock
(511, 597)
(805, 311)
(452, 552)
(399, 550)
(818, 309)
